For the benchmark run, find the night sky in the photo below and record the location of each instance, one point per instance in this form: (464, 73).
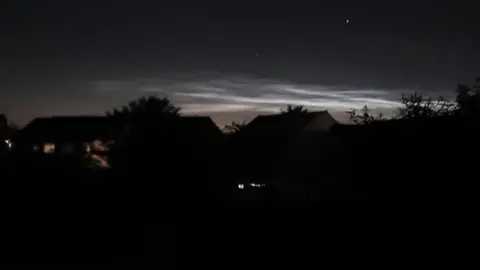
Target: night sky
(231, 59)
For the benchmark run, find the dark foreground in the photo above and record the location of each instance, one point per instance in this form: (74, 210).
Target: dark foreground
(83, 223)
(231, 238)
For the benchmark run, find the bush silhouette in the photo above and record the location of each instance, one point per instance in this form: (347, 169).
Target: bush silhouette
(364, 116)
(149, 120)
(235, 127)
(291, 109)
(145, 107)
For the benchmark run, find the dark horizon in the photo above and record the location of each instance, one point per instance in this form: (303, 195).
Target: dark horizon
(231, 62)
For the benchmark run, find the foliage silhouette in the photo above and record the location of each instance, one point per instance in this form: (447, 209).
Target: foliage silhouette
(364, 116)
(417, 106)
(441, 124)
(13, 127)
(291, 109)
(468, 99)
(146, 107)
(235, 127)
(7, 128)
(147, 119)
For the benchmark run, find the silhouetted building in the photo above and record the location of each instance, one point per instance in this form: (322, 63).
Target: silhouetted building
(196, 140)
(290, 124)
(176, 155)
(199, 129)
(180, 134)
(199, 143)
(283, 145)
(74, 136)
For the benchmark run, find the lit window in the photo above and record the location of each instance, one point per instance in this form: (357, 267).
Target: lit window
(241, 186)
(49, 148)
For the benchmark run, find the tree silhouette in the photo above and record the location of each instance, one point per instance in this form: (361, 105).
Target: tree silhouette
(235, 127)
(13, 127)
(7, 128)
(150, 123)
(291, 109)
(467, 102)
(468, 99)
(364, 116)
(416, 106)
(146, 106)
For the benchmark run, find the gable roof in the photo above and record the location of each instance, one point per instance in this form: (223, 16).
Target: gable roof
(191, 128)
(282, 124)
(199, 126)
(62, 128)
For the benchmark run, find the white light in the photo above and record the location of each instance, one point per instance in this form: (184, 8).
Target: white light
(257, 185)
(240, 186)
(9, 143)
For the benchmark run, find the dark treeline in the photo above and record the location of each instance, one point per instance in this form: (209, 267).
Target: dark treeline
(423, 153)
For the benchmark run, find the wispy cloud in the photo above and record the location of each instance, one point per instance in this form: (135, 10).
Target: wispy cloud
(216, 107)
(217, 92)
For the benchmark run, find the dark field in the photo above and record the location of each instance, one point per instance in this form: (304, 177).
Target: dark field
(68, 218)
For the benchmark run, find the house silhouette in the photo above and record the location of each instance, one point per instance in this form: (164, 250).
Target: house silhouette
(290, 124)
(65, 134)
(274, 146)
